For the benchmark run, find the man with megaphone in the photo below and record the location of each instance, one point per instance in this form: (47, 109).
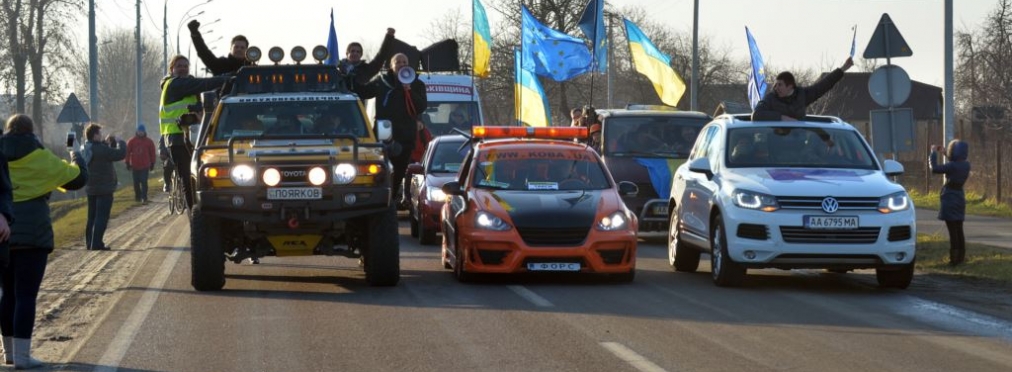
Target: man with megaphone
(400, 97)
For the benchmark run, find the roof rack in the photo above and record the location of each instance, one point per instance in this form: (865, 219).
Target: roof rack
(808, 118)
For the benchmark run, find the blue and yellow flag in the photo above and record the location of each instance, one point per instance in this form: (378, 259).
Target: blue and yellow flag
(333, 58)
(482, 41)
(551, 53)
(531, 101)
(756, 76)
(655, 65)
(592, 25)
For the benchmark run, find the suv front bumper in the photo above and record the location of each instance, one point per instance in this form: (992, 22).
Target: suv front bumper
(251, 204)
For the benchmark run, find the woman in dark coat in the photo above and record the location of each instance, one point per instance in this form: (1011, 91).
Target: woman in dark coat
(953, 202)
(35, 172)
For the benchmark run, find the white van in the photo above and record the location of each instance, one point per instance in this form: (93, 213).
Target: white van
(453, 103)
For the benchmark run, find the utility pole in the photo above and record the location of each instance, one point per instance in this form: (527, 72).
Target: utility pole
(92, 63)
(694, 85)
(611, 61)
(137, 104)
(950, 107)
(165, 36)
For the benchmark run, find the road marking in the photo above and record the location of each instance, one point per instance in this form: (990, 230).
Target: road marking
(530, 296)
(118, 347)
(633, 358)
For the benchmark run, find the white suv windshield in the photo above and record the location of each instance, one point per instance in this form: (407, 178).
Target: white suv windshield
(798, 147)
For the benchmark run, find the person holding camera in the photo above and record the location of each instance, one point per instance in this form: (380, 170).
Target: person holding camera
(952, 199)
(179, 92)
(99, 153)
(37, 172)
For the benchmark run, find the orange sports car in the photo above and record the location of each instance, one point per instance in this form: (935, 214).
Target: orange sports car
(532, 200)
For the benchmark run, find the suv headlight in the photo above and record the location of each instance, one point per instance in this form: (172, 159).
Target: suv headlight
(344, 173)
(436, 194)
(488, 221)
(614, 221)
(894, 202)
(243, 175)
(754, 200)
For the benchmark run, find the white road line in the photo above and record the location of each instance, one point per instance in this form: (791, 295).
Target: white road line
(118, 348)
(633, 358)
(530, 296)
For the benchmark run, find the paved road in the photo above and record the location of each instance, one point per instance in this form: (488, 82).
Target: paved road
(316, 314)
(978, 229)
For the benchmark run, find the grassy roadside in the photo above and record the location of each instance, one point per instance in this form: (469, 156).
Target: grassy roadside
(975, 204)
(71, 216)
(982, 261)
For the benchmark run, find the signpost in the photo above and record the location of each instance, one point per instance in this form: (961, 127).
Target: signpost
(73, 113)
(889, 86)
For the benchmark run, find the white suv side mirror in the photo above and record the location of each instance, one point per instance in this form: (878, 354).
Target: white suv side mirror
(892, 168)
(701, 165)
(384, 130)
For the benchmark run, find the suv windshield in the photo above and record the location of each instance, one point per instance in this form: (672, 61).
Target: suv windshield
(446, 158)
(442, 117)
(291, 118)
(565, 170)
(803, 147)
(651, 136)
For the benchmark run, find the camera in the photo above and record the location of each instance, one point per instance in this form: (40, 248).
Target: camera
(188, 119)
(71, 136)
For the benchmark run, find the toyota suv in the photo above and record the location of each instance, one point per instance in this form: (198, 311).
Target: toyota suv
(789, 195)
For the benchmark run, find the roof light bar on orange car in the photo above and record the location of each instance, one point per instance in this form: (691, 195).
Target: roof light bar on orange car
(489, 132)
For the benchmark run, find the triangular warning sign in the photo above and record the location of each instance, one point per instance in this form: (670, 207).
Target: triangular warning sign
(72, 111)
(886, 41)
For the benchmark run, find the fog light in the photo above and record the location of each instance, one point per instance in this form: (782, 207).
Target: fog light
(900, 256)
(749, 255)
(350, 199)
(238, 201)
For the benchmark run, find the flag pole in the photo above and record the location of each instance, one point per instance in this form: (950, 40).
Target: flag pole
(474, 58)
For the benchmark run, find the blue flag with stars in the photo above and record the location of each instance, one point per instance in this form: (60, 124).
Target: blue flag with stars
(551, 53)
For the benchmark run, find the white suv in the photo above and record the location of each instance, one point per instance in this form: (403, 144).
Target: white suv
(789, 195)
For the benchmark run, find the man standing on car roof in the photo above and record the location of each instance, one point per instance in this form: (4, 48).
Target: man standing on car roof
(235, 59)
(788, 102)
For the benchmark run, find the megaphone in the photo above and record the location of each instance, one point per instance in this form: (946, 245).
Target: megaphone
(406, 75)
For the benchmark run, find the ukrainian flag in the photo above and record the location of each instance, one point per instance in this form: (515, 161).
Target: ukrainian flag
(482, 40)
(531, 102)
(655, 65)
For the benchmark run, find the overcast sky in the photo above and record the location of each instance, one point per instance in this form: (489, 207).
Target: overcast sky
(790, 33)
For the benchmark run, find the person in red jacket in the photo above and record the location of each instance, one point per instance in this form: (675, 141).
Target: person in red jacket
(140, 160)
(421, 143)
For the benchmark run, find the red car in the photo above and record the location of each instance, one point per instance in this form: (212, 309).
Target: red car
(440, 164)
(532, 200)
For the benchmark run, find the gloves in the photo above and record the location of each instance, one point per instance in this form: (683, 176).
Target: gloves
(128, 167)
(193, 25)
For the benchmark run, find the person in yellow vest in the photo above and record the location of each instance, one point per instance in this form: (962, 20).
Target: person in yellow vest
(180, 90)
(35, 172)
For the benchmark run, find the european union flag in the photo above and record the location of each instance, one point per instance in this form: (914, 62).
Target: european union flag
(332, 42)
(592, 25)
(551, 53)
(756, 78)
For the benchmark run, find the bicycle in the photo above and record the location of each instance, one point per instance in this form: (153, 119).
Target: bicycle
(177, 201)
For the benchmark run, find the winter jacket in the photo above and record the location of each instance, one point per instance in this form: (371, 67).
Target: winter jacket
(392, 104)
(140, 153)
(424, 137)
(218, 65)
(956, 171)
(36, 172)
(771, 107)
(101, 173)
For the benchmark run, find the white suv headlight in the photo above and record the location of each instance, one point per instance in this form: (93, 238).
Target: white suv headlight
(894, 202)
(614, 221)
(488, 221)
(344, 173)
(754, 200)
(243, 175)
(436, 194)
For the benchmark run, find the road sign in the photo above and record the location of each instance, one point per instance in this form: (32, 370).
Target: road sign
(889, 86)
(72, 111)
(886, 41)
(892, 130)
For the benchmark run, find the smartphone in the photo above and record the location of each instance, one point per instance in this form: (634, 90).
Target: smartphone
(71, 136)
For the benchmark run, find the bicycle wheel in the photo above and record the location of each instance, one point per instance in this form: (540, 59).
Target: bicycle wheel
(176, 196)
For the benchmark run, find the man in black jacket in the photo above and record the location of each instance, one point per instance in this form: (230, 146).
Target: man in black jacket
(788, 102)
(219, 65)
(403, 105)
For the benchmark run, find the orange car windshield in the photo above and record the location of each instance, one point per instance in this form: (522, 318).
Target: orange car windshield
(539, 170)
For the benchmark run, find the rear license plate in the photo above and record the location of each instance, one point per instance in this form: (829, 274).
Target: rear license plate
(295, 193)
(553, 266)
(831, 222)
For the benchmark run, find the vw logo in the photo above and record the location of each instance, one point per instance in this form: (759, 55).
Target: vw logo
(830, 205)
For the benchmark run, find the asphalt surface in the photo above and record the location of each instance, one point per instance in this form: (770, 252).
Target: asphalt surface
(317, 314)
(992, 231)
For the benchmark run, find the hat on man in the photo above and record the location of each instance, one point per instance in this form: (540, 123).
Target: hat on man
(140, 128)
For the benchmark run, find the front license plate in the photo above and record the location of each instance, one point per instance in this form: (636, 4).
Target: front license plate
(659, 210)
(553, 266)
(295, 193)
(831, 222)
